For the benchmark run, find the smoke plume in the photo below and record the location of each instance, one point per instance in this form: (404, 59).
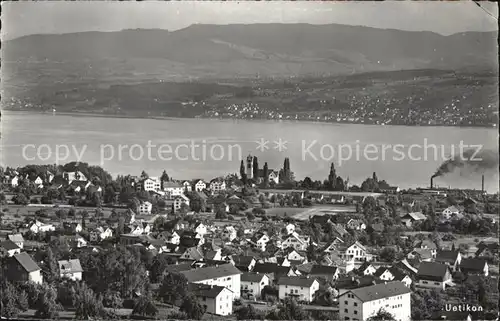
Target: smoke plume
(469, 162)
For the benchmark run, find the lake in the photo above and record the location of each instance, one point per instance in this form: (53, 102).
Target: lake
(206, 148)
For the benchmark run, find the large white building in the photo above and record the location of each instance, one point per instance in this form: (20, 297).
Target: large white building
(173, 188)
(363, 303)
(151, 184)
(226, 275)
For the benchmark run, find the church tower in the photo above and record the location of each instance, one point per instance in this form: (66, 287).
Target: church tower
(249, 166)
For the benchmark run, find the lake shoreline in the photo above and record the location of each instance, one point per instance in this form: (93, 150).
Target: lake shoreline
(98, 115)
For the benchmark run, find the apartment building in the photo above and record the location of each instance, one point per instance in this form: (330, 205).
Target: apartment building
(363, 303)
(226, 275)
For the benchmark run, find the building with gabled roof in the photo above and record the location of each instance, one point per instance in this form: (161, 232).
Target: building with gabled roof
(226, 275)
(254, 283)
(474, 266)
(21, 268)
(297, 287)
(70, 269)
(10, 248)
(433, 275)
(450, 258)
(215, 299)
(16, 238)
(363, 303)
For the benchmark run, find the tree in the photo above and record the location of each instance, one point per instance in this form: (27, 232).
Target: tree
(144, 175)
(112, 299)
(192, 308)
(243, 174)
(50, 267)
(46, 305)
(388, 254)
(332, 177)
(248, 313)
(20, 199)
(61, 214)
(86, 303)
(382, 315)
(144, 306)
(9, 306)
(290, 310)
(164, 177)
(255, 168)
(265, 174)
(173, 287)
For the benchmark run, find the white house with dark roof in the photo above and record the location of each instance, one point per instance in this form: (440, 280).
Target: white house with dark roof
(474, 266)
(297, 287)
(365, 302)
(70, 269)
(215, 299)
(226, 275)
(145, 208)
(217, 184)
(179, 201)
(433, 275)
(16, 238)
(253, 283)
(356, 251)
(296, 241)
(173, 188)
(356, 224)
(199, 185)
(150, 184)
(21, 267)
(10, 248)
(40, 227)
(450, 258)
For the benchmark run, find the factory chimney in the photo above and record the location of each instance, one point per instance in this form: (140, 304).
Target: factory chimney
(482, 184)
(432, 183)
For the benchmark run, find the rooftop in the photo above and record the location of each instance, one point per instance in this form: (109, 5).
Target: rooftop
(211, 272)
(380, 291)
(296, 281)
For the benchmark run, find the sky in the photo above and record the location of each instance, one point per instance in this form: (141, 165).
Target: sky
(25, 18)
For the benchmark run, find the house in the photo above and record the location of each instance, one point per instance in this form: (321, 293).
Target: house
(145, 208)
(199, 185)
(450, 212)
(410, 218)
(289, 228)
(21, 268)
(70, 269)
(346, 283)
(75, 241)
(100, 233)
(338, 230)
(365, 302)
(406, 267)
(10, 248)
(426, 244)
(169, 237)
(16, 238)
(173, 188)
(366, 269)
(259, 240)
(333, 246)
(355, 224)
(14, 181)
(329, 273)
(400, 275)
(293, 255)
(78, 186)
(274, 271)
(229, 233)
(74, 176)
(354, 251)
(150, 184)
(474, 266)
(450, 258)
(217, 185)
(179, 201)
(215, 299)
(244, 263)
(253, 283)
(384, 273)
(295, 241)
(139, 227)
(423, 255)
(192, 254)
(39, 227)
(225, 275)
(487, 249)
(200, 228)
(433, 275)
(73, 227)
(38, 182)
(186, 185)
(300, 288)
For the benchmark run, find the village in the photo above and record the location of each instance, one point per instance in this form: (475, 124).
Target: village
(78, 243)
